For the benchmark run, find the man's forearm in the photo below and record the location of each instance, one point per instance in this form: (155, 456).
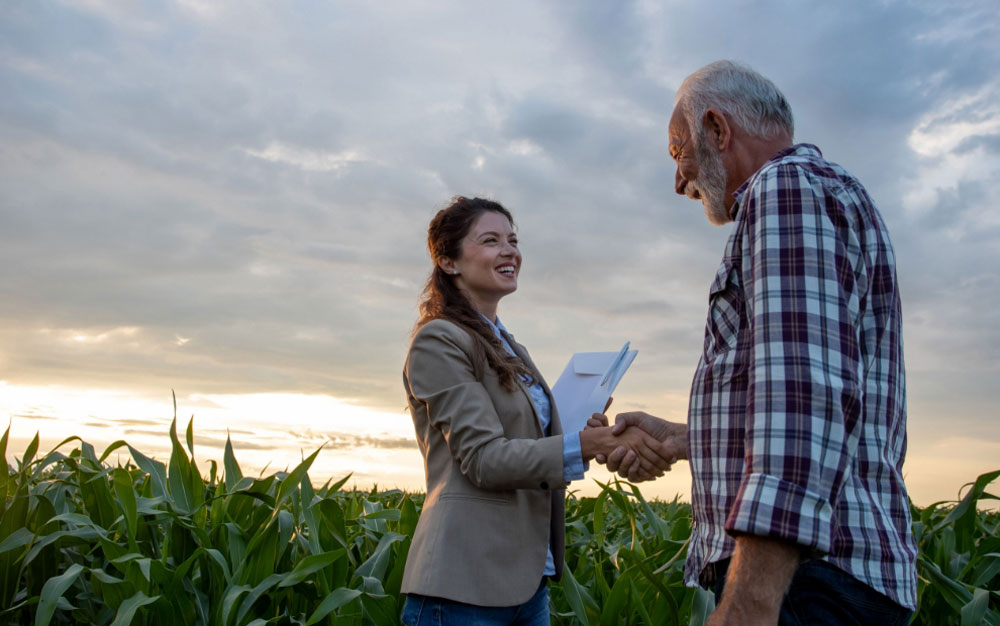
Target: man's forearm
(759, 575)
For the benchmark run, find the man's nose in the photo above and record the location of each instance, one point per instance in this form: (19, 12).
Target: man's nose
(679, 182)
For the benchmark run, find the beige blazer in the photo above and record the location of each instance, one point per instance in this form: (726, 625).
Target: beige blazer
(495, 486)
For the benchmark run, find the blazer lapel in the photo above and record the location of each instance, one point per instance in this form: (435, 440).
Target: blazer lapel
(555, 426)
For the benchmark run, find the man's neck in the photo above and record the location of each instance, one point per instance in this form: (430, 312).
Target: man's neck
(749, 154)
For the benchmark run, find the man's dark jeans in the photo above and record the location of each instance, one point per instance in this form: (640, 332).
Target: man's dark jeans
(823, 595)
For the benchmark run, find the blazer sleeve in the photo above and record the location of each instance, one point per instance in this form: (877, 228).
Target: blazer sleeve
(441, 376)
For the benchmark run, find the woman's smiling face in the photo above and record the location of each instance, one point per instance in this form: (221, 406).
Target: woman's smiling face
(489, 263)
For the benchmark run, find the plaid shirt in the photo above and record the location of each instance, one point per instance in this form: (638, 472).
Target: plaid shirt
(797, 420)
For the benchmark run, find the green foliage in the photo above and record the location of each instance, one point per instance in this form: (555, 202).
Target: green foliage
(82, 541)
(959, 560)
(625, 561)
(147, 543)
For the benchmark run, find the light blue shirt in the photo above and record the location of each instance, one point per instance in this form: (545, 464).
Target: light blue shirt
(573, 467)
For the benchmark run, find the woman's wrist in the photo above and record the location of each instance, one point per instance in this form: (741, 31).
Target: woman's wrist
(594, 441)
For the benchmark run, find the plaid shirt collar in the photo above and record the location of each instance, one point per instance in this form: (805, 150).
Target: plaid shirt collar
(800, 149)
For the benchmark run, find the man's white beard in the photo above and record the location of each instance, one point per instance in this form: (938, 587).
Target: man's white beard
(711, 180)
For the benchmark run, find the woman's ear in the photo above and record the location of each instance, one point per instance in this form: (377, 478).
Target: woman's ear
(447, 265)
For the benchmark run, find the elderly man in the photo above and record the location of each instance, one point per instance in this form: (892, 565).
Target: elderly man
(796, 427)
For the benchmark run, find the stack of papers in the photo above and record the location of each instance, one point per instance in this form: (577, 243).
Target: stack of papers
(587, 383)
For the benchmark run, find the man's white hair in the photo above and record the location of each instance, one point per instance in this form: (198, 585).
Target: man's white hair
(749, 99)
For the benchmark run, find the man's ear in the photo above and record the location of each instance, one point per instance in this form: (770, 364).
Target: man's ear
(717, 128)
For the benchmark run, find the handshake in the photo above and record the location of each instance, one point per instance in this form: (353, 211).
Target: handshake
(639, 446)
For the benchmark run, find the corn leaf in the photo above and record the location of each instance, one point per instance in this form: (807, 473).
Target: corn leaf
(5, 479)
(156, 471)
(20, 538)
(233, 473)
(612, 612)
(185, 485)
(599, 512)
(29, 453)
(393, 515)
(576, 596)
(126, 612)
(638, 563)
(377, 563)
(256, 593)
(189, 437)
(232, 596)
(309, 565)
(3, 446)
(53, 591)
(291, 482)
(126, 499)
(336, 599)
(702, 604)
(379, 609)
(967, 507)
(340, 483)
(114, 446)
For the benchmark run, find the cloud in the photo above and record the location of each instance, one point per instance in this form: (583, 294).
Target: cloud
(350, 442)
(35, 416)
(309, 160)
(231, 198)
(957, 143)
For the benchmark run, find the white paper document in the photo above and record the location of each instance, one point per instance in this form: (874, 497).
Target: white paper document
(586, 384)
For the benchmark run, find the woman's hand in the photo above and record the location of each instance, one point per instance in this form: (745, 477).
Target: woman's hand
(600, 420)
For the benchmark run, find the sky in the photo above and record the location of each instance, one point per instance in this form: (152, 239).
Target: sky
(228, 201)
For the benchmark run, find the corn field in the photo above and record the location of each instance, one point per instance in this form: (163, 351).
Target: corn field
(82, 541)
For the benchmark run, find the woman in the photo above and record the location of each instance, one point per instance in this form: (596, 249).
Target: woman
(492, 530)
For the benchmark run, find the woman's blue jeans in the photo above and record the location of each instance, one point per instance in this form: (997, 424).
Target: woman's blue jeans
(427, 611)
(824, 595)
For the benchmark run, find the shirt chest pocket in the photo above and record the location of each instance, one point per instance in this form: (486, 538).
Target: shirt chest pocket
(725, 310)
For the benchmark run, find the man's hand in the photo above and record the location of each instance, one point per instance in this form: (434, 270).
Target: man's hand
(671, 435)
(758, 577)
(659, 428)
(650, 461)
(599, 441)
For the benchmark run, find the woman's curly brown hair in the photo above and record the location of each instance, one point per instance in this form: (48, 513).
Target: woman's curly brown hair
(442, 299)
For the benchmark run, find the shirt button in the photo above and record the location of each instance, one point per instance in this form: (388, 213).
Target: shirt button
(545, 485)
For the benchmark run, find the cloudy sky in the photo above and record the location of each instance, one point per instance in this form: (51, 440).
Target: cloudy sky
(230, 199)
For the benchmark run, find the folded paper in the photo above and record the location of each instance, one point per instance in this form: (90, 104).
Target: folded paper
(586, 383)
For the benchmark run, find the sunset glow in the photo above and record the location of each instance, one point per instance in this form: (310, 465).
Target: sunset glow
(230, 200)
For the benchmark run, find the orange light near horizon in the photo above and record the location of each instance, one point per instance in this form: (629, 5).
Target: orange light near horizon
(277, 430)
(272, 431)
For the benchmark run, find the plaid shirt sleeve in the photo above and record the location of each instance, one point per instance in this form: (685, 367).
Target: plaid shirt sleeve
(800, 265)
